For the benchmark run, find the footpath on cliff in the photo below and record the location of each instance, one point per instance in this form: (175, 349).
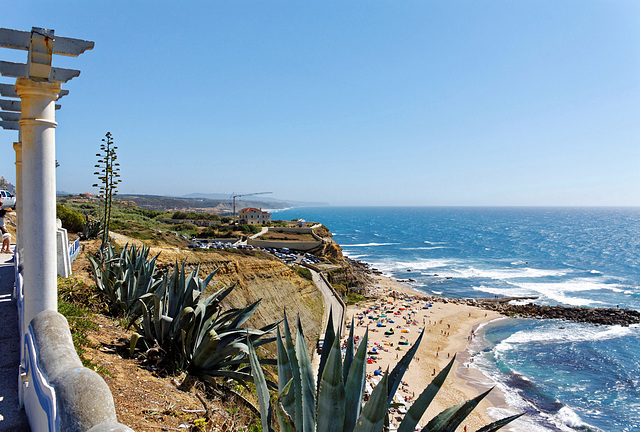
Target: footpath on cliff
(12, 418)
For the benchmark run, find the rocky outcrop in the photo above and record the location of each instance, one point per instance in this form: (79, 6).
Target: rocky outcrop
(605, 316)
(601, 316)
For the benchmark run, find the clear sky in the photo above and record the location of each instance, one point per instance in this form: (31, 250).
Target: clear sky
(353, 102)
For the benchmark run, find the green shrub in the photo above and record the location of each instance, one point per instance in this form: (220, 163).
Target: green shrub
(353, 298)
(71, 220)
(249, 229)
(185, 227)
(303, 272)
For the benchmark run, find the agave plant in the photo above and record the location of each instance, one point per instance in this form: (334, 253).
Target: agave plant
(336, 403)
(124, 278)
(203, 339)
(162, 309)
(91, 228)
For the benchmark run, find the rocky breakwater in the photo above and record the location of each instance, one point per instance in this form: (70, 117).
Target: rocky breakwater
(603, 316)
(507, 307)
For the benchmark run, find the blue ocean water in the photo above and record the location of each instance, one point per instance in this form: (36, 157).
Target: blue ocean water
(566, 376)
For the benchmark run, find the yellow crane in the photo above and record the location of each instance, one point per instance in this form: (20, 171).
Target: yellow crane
(234, 196)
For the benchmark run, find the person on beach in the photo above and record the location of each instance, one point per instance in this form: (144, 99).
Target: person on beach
(6, 236)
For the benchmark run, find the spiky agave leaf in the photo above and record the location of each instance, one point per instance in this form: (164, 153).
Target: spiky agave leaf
(496, 425)
(285, 379)
(348, 356)
(374, 412)
(449, 419)
(331, 394)
(421, 404)
(261, 389)
(308, 386)
(329, 336)
(354, 387)
(284, 418)
(295, 372)
(395, 377)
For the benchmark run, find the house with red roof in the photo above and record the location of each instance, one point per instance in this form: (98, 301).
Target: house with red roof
(253, 216)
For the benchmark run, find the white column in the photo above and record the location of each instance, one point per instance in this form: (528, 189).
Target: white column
(17, 146)
(38, 219)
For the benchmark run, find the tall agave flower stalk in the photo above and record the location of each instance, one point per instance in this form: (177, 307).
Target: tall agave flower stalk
(336, 403)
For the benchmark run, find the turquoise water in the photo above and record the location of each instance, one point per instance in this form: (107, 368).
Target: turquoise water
(566, 376)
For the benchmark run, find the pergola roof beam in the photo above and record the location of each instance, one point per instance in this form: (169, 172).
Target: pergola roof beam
(19, 70)
(10, 125)
(17, 39)
(9, 116)
(12, 105)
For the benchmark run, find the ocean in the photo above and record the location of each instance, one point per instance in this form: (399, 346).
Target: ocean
(565, 376)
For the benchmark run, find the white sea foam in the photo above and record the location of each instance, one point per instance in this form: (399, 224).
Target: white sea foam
(425, 264)
(434, 243)
(368, 244)
(461, 269)
(572, 332)
(426, 248)
(595, 272)
(356, 256)
(558, 292)
(565, 420)
(561, 292)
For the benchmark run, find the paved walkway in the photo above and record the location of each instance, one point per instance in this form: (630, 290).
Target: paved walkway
(11, 418)
(330, 303)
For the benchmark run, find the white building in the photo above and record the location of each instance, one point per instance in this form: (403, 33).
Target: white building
(253, 216)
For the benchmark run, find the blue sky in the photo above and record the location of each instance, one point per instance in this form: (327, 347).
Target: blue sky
(352, 103)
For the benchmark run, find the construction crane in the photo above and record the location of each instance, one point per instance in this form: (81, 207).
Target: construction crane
(234, 196)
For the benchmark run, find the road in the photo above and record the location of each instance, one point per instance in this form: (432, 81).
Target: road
(330, 302)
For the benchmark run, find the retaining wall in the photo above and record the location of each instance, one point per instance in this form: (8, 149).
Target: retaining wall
(58, 393)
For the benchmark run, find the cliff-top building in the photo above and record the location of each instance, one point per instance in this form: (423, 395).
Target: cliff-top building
(253, 216)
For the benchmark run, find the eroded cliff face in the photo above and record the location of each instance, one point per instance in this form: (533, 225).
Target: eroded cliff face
(279, 287)
(258, 275)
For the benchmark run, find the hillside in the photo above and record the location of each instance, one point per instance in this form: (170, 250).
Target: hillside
(146, 398)
(204, 205)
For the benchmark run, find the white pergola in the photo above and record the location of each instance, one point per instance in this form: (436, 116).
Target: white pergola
(38, 87)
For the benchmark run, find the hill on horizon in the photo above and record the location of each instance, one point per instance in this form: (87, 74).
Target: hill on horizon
(257, 198)
(202, 204)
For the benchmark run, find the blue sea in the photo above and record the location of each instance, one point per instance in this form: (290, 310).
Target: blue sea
(565, 376)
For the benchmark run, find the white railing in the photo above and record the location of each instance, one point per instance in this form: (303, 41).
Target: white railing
(74, 250)
(48, 360)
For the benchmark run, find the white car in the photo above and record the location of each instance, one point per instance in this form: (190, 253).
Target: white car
(8, 199)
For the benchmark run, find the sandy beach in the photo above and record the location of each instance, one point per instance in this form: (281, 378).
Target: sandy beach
(448, 329)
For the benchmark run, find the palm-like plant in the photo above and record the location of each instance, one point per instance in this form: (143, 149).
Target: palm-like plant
(336, 403)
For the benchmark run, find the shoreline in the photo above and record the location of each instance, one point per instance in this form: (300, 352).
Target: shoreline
(449, 327)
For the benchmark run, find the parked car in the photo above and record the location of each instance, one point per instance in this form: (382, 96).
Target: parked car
(8, 199)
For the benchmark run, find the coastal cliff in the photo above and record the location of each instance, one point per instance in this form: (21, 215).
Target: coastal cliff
(258, 276)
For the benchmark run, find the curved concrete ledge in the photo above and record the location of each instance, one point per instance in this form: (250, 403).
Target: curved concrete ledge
(83, 400)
